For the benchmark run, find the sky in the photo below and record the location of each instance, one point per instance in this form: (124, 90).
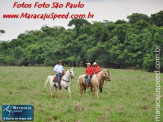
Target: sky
(110, 10)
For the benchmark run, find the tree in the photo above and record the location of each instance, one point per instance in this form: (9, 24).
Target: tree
(18, 55)
(137, 16)
(2, 31)
(157, 19)
(78, 23)
(141, 24)
(119, 44)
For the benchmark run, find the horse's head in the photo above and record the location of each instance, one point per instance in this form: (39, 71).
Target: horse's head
(71, 73)
(106, 75)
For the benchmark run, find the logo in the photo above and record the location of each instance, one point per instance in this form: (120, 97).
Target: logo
(17, 112)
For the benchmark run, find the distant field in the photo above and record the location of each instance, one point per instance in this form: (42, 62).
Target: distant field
(128, 97)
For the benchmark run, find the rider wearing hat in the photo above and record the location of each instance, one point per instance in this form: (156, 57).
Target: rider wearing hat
(89, 73)
(58, 69)
(96, 68)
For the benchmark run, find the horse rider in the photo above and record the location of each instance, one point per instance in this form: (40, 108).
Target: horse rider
(96, 68)
(59, 70)
(89, 73)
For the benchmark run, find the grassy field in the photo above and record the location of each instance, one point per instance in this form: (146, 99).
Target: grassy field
(128, 97)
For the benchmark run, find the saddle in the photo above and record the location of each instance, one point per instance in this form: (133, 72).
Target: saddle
(86, 77)
(55, 79)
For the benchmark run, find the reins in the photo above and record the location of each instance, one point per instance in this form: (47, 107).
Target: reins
(65, 80)
(67, 77)
(101, 77)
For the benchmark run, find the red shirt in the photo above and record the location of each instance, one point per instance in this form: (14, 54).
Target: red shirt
(89, 71)
(96, 69)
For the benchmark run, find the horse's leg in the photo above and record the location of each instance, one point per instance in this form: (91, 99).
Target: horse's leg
(51, 88)
(100, 87)
(81, 90)
(69, 92)
(84, 88)
(61, 92)
(55, 92)
(96, 92)
(91, 89)
(93, 93)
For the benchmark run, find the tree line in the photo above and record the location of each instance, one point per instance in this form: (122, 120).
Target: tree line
(120, 44)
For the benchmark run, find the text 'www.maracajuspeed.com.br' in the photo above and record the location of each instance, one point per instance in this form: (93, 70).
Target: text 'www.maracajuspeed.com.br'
(44, 16)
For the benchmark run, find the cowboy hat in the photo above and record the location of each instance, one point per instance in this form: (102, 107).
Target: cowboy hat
(59, 61)
(94, 63)
(88, 63)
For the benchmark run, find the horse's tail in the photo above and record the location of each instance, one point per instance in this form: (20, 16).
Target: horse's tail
(81, 80)
(46, 81)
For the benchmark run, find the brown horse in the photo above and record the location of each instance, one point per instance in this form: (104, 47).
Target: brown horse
(95, 82)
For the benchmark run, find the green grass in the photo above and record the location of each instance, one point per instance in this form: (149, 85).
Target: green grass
(128, 97)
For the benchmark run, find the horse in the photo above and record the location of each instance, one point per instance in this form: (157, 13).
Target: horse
(65, 83)
(100, 87)
(95, 82)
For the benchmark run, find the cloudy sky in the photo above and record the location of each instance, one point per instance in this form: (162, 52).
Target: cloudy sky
(110, 10)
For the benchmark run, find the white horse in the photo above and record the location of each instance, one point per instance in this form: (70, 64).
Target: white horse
(65, 83)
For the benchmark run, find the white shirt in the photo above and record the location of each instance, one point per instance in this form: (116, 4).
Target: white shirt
(58, 68)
